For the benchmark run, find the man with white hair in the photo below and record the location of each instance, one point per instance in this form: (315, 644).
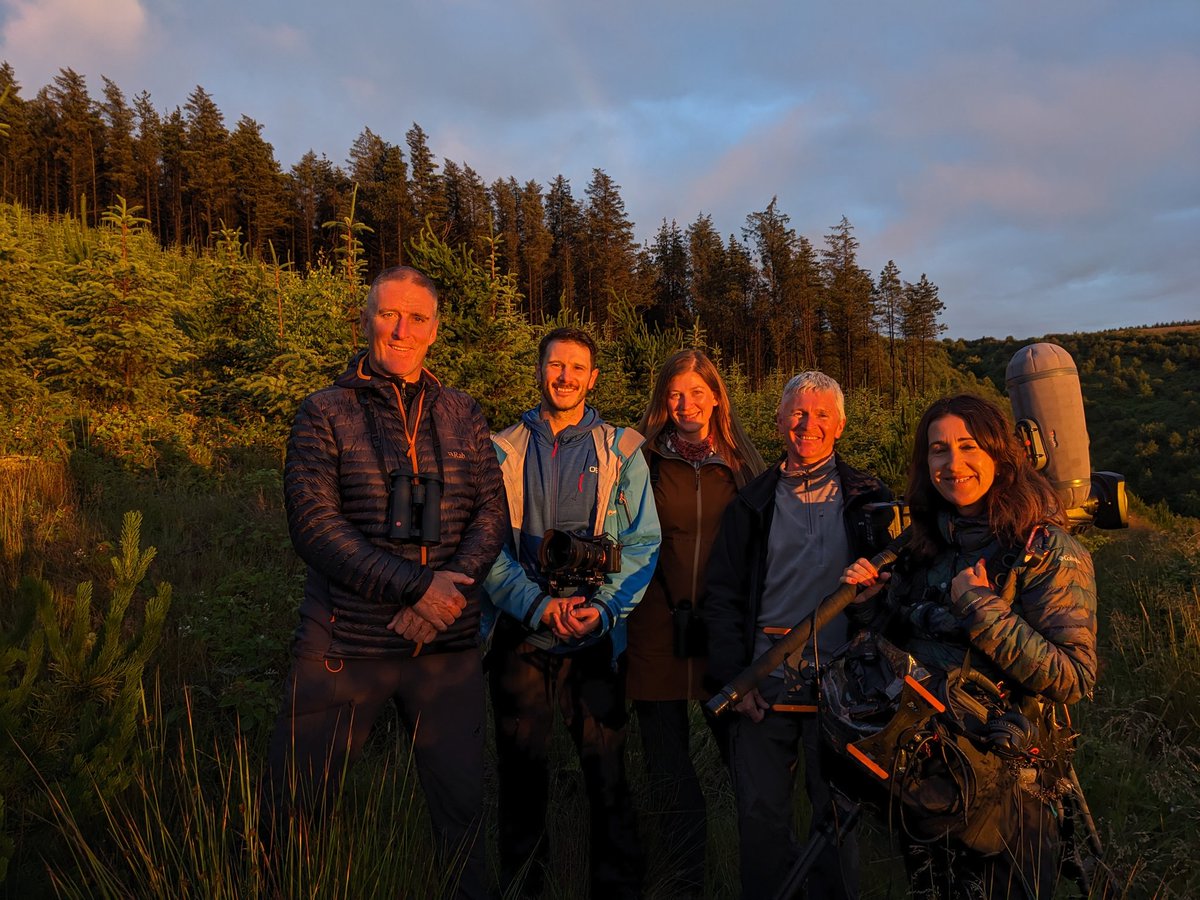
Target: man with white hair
(783, 544)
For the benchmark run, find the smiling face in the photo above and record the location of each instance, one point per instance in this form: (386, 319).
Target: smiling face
(809, 422)
(690, 404)
(400, 322)
(565, 376)
(961, 471)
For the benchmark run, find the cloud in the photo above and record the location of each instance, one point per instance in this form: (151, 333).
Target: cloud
(39, 37)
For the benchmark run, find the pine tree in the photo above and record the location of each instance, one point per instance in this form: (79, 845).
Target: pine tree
(71, 691)
(207, 166)
(536, 245)
(468, 211)
(504, 196)
(120, 167)
(147, 149)
(18, 156)
(116, 341)
(564, 221)
(708, 277)
(669, 264)
(173, 145)
(920, 309)
(849, 304)
(777, 298)
(78, 138)
(257, 185)
(609, 255)
(888, 297)
(485, 347)
(426, 191)
(314, 196)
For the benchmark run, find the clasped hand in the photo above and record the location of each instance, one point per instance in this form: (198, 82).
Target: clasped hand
(571, 617)
(438, 609)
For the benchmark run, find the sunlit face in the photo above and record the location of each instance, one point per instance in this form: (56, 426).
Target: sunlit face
(400, 322)
(809, 422)
(961, 471)
(690, 403)
(565, 376)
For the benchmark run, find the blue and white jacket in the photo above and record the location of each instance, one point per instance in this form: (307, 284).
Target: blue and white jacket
(589, 477)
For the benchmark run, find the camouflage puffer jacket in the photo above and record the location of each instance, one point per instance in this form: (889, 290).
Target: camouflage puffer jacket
(1034, 630)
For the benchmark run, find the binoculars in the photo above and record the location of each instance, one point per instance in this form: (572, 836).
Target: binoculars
(415, 509)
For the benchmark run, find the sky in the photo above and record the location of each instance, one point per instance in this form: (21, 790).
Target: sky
(1040, 162)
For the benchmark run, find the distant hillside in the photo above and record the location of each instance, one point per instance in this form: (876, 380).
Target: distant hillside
(1141, 389)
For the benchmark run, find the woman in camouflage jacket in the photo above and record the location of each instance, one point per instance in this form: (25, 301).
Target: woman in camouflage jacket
(990, 581)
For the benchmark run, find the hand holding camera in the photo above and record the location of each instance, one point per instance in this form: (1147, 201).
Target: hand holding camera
(570, 617)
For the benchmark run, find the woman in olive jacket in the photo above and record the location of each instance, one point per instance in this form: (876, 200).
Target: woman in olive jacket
(699, 457)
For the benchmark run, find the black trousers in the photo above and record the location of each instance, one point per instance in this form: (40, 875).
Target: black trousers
(763, 759)
(676, 798)
(328, 710)
(527, 684)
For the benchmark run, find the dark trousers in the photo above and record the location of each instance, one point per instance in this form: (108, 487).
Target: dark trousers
(527, 684)
(676, 799)
(763, 758)
(328, 710)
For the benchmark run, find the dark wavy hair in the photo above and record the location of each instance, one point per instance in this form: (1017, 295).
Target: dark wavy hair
(729, 438)
(1019, 498)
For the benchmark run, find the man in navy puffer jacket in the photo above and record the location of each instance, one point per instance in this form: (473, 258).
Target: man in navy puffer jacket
(386, 616)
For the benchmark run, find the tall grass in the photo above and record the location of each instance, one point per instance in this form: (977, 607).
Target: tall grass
(188, 824)
(38, 515)
(189, 827)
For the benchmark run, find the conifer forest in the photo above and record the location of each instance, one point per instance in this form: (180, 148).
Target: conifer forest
(170, 291)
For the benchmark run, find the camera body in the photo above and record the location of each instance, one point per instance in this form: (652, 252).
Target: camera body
(574, 560)
(878, 524)
(415, 508)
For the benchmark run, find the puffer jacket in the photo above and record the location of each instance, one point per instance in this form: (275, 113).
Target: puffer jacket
(336, 495)
(1034, 630)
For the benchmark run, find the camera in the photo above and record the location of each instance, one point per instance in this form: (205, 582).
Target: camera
(415, 509)
(878, 524)
(572, 560)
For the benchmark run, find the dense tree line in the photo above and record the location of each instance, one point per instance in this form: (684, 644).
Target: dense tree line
(768, 299)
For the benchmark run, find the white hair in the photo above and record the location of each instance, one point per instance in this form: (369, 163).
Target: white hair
(814, 381)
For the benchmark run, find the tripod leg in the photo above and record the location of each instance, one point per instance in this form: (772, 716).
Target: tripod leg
(833, 827)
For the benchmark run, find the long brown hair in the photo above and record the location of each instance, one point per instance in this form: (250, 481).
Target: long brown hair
(1019, 497)
(729, 438)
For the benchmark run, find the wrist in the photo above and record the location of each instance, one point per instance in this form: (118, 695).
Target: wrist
(971, 599)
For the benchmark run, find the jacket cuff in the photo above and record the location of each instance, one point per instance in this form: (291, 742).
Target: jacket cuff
(970, 600)
(533, 618)
(419, 586)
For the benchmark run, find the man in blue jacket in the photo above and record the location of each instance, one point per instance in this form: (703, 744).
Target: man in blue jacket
(565, 469)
